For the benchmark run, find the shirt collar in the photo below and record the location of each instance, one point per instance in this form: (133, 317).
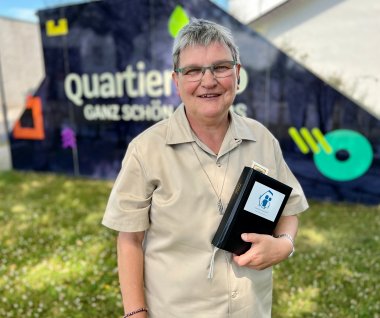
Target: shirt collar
(241, 129)
(179, 130)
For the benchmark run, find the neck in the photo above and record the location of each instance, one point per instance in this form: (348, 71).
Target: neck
(211, 133)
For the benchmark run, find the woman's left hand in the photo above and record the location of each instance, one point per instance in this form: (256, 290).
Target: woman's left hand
(265, 251)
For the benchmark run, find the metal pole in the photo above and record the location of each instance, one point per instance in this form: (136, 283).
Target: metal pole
(74, 150)
(5, 120)
(4, 103)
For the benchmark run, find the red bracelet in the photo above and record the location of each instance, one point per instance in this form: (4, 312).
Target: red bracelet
(135, 312)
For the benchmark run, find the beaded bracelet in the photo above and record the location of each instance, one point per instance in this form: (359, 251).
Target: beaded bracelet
(135, 312)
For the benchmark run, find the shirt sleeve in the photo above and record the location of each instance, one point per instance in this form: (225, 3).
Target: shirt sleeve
(129, 203)
(297, 202)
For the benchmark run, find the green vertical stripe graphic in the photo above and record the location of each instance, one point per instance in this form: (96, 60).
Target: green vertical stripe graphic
(298, 140)
(322, 140)
(309, 139)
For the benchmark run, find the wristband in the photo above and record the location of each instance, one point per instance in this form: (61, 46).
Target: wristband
(135, 312)
(287, 236)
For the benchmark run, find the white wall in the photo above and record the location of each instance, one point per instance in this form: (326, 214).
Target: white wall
(22, 66)
(338, 40)
(247, 10)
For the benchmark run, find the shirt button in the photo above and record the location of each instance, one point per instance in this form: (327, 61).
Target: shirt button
(234, 294)
(218, 164)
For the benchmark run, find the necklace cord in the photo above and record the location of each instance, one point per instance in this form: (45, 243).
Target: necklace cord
(220, 203)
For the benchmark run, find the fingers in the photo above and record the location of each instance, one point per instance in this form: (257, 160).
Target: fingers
(255, 256)
(250, 237)
(244, 259)
(251, 260)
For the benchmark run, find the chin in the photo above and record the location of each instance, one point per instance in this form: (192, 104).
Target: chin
(213, 111)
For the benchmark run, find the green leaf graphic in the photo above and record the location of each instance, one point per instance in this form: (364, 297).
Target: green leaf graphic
(178, 19)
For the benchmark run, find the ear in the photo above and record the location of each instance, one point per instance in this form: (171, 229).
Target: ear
(175, 80)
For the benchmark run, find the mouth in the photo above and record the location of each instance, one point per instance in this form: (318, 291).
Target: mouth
(209, 95)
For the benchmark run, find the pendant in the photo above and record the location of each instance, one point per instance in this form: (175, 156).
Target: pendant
(220, 206)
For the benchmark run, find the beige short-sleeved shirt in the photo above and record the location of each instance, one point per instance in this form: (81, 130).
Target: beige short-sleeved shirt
(163, 190)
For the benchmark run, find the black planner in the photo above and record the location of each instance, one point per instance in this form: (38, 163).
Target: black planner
(255, 207)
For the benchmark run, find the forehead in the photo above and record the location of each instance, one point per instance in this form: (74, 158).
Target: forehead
(202, 55)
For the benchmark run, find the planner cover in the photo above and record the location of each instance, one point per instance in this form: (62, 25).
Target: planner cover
(255, 207)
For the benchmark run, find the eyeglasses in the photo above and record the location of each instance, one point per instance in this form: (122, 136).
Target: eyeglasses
(218, 70)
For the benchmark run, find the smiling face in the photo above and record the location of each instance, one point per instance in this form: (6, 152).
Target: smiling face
(208, 100)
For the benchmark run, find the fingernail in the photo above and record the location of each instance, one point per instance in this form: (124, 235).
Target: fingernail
(244, 236)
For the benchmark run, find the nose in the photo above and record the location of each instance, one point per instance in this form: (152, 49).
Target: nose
(208, 76)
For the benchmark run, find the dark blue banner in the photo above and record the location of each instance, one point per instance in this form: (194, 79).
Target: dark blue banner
(108, 77)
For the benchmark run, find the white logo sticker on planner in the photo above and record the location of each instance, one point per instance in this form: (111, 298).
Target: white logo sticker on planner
(264, 201)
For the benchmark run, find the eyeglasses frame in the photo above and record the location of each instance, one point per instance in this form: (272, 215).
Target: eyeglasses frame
(205, 68)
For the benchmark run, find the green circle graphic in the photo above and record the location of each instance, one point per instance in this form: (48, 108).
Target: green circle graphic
(358, 162)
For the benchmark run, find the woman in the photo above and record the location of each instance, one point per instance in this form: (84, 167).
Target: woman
(176, 179)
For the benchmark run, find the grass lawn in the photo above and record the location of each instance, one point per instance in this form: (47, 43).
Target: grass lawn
(56, 260)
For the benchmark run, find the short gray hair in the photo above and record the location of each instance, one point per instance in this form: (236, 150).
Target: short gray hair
(203, 32)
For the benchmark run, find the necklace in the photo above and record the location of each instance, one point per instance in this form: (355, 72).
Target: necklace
(219, 196)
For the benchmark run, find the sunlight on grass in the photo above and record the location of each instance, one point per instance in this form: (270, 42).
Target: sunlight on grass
(313, 236)
(56, 260)
(301, 301)
(68, 184)
(18, 208)
(336, 262)
(51, 272)
(66, 266)
(92, 219)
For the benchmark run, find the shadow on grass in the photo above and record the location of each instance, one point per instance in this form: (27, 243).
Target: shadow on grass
(58, 261)
(56, 258)
(336, 271)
